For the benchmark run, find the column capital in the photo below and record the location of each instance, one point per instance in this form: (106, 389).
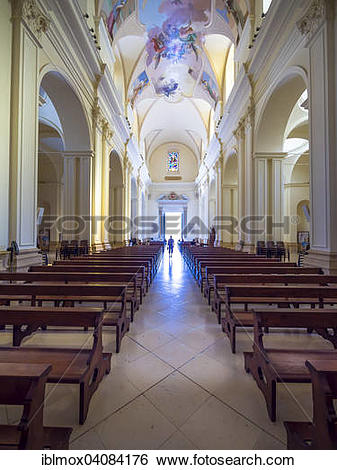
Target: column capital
(107, 131)
(314, 17)
(30, 14)
(240, 130)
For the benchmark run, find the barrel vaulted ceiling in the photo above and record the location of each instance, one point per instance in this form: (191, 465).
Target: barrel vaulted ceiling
(171, 58)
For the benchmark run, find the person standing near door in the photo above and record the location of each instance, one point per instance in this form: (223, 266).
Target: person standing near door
(170, 245)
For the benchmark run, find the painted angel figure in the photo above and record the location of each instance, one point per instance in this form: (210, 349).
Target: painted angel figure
(115, 14)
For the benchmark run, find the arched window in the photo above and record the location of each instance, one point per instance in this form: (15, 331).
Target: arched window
(173, 162)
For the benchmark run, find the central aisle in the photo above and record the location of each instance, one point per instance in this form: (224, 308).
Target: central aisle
(175, 384)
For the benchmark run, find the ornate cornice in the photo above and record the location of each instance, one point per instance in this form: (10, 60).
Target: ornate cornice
(29, 12)
(309, 24)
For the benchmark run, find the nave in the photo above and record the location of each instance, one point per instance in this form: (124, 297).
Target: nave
(175, 384)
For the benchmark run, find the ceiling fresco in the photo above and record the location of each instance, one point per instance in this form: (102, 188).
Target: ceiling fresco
(170, 66)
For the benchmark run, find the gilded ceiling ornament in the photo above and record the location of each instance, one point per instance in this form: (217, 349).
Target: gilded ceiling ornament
(315, 15)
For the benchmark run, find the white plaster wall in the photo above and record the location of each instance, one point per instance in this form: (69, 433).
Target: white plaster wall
(188, 168)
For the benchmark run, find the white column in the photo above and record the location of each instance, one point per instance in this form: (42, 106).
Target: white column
(320, 25)
(249, 177)
(269, 196)
(240, 137)
(69, 182)
(24, 122)
(277, 200)
(261, 197)
(219, 196)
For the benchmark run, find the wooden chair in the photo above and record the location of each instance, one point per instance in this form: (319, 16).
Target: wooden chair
(322, 432)
(272, 366)
(24, 384)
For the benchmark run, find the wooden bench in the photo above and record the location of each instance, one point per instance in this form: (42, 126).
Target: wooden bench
(100, 266)
(138, 271)
(83, 278)
(272, 366)
(71, 293)
(151, 260)
(85, 367)
(212, 271)
(321, 434)
(199, 263)
(22, 330)
(204, 260)
(220, 282)
(201, 275)
(282, 296)
(24, 384)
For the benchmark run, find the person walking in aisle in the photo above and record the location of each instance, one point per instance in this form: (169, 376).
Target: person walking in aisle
(170, 245)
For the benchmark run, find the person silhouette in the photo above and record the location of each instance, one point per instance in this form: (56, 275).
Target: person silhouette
(170, 245)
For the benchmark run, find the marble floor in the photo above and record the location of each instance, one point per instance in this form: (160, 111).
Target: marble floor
(175, 383)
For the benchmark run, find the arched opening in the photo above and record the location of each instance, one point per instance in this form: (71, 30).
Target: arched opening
(282, 139)
(116, 234)
(230, 201)
(64, 163)
(274, 120)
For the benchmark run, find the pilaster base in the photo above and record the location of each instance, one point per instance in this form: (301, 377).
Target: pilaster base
(322, 259)
(25, 259)
(3, 260)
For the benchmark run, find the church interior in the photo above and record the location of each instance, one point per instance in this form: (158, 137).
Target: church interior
(168, 224)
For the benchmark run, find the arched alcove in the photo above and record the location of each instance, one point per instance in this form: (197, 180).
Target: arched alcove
(64, 159)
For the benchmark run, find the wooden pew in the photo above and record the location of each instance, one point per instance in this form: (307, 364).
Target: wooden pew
(128, 280)
(321, 434)
(71, 293)
(201, 273)
(292, 295)
(272, 366)
(100, 266)
(208, 259)
(21, 331)
(153, 265)
(138, 271)
(220, 282)
(211, 271)
(85, 367)
(24, 384)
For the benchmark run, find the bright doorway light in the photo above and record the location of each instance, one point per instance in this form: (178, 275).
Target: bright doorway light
(173, 225)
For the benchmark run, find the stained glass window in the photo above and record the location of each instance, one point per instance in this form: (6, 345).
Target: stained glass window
(173, 162)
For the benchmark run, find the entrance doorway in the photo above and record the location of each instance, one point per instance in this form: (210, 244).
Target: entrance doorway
(173, 225)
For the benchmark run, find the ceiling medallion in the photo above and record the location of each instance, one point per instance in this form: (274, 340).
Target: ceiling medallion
(175, 57)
